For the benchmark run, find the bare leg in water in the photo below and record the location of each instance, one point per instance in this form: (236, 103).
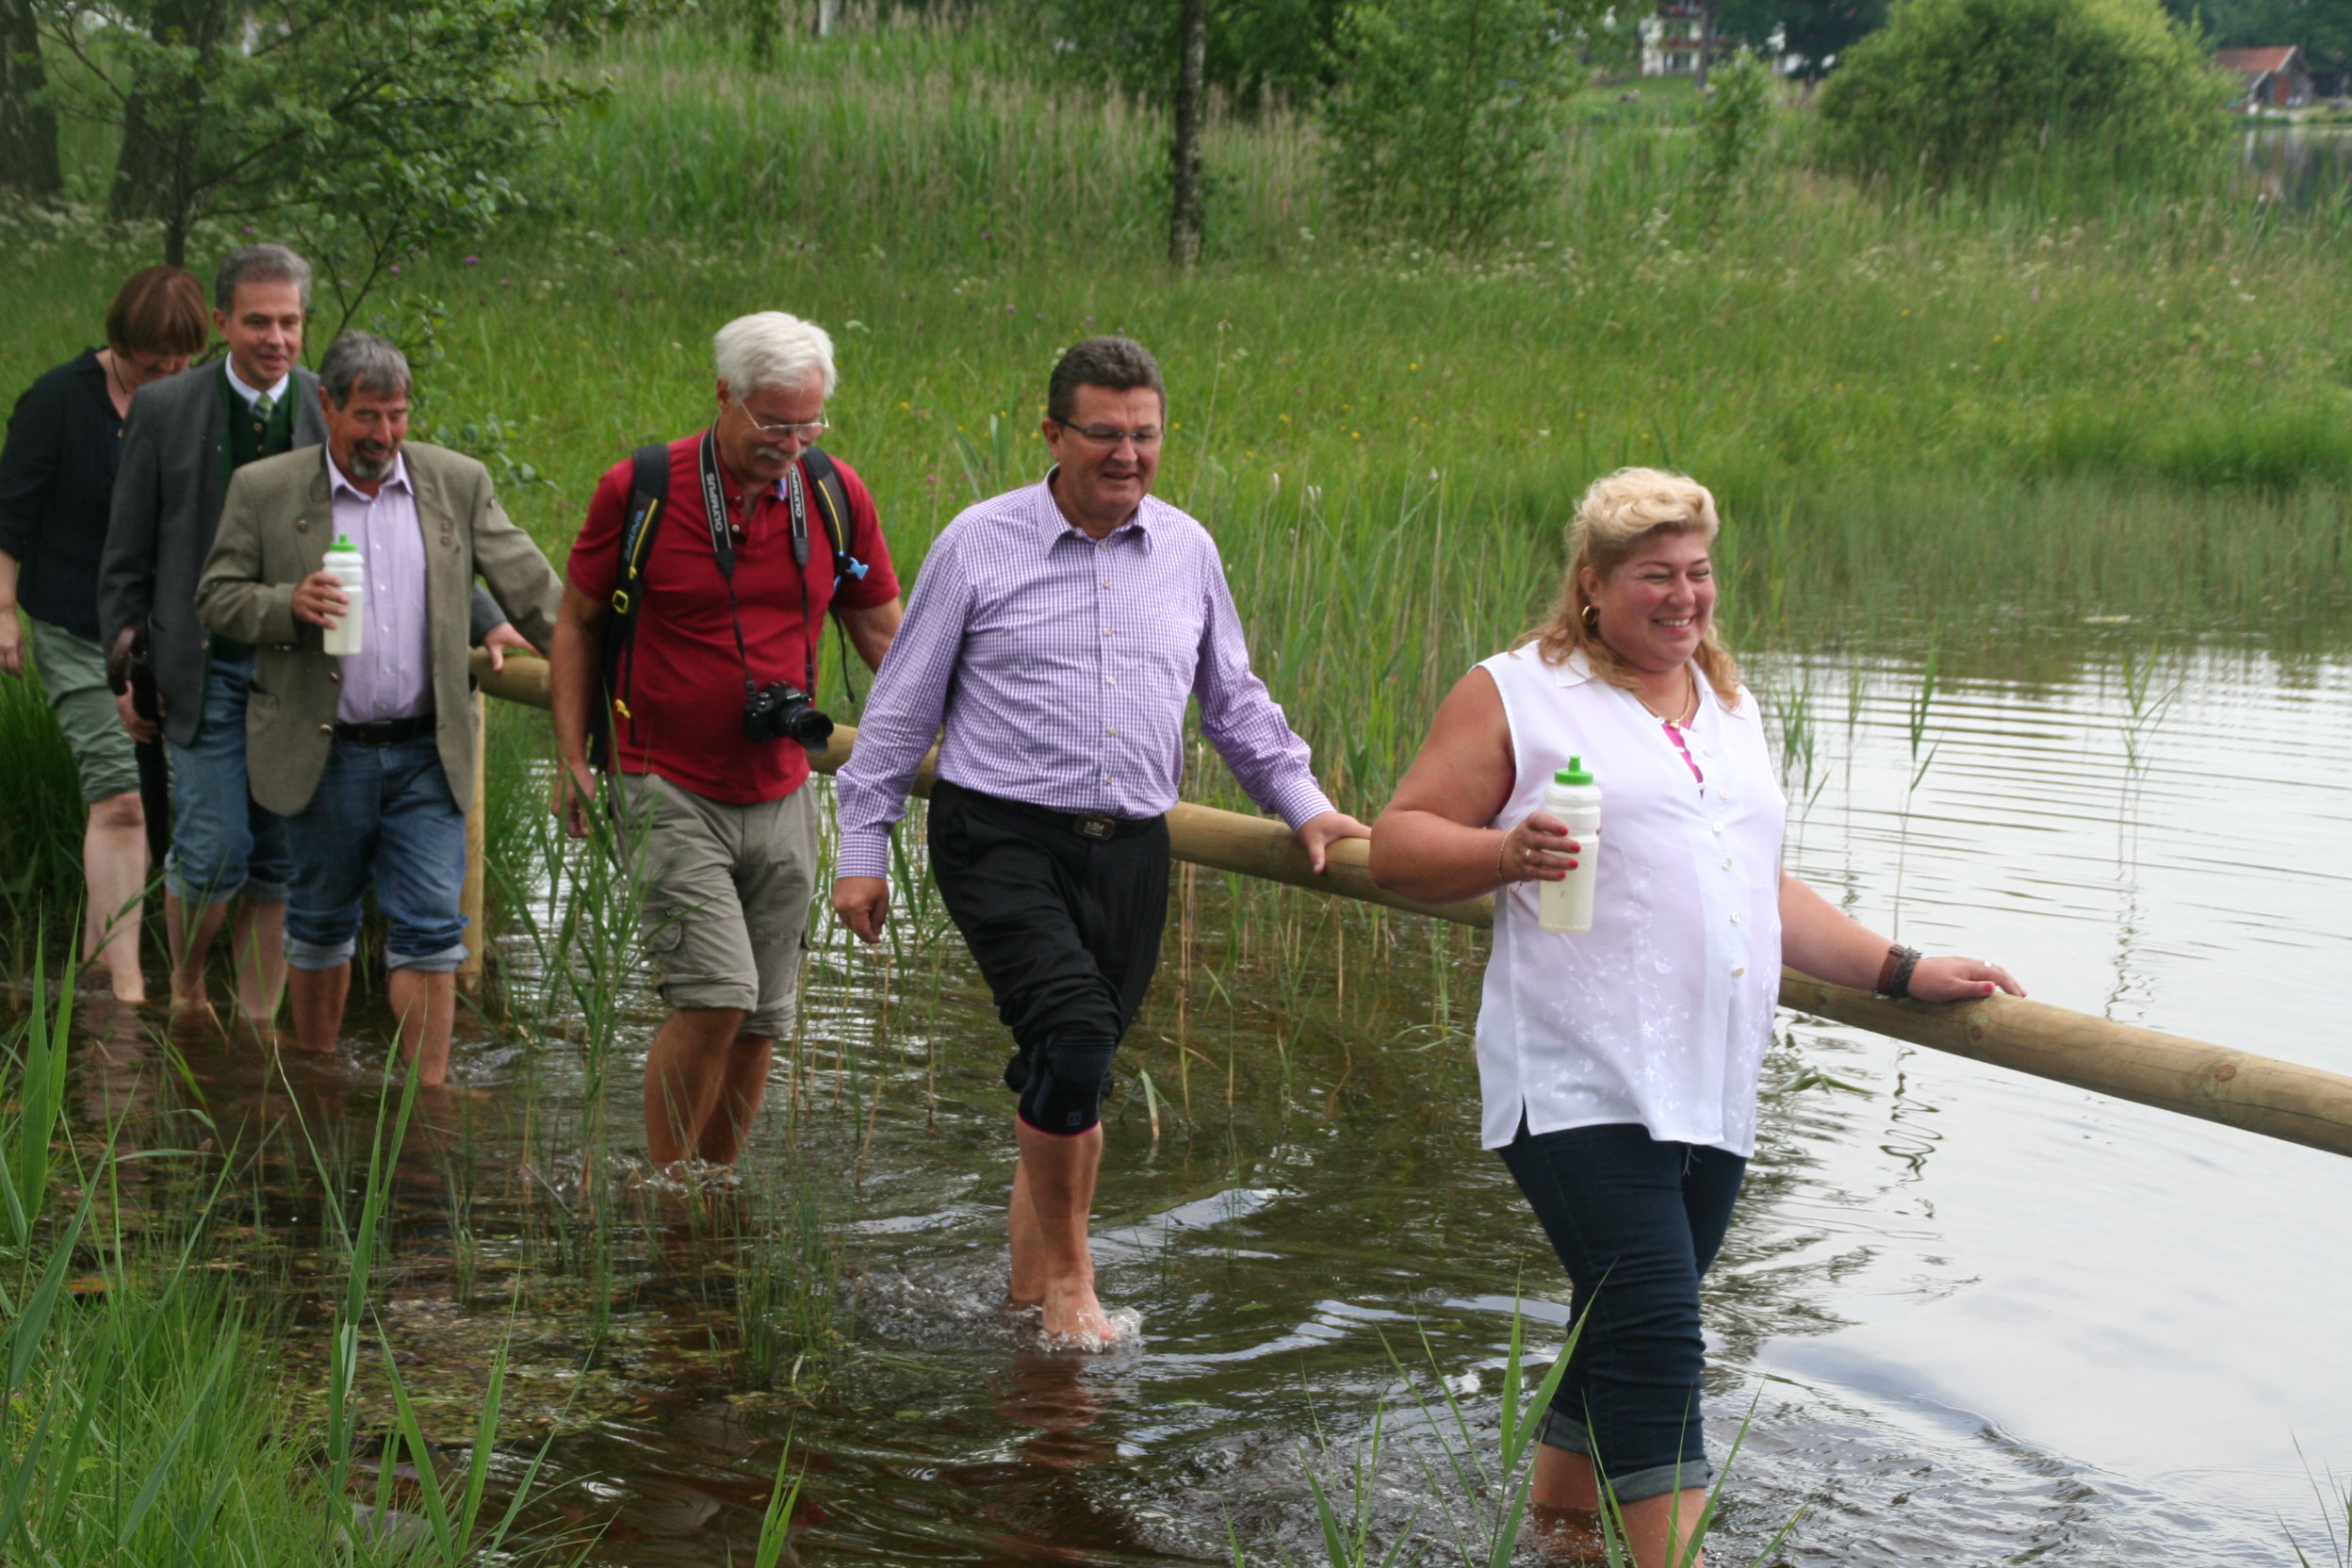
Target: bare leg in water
(114, 862)
(1567, 1503)
(703, 1081)
(257, 951)
(1052, 1205)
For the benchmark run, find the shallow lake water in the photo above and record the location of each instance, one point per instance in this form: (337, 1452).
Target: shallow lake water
(1968, 1316)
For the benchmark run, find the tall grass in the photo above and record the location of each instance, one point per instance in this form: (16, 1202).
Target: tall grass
(137, 1410)
(40, 832)
(1972, 409)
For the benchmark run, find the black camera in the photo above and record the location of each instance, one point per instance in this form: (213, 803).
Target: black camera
(781, 713)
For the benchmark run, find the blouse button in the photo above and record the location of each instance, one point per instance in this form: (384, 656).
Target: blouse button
(1735, 917)
(1727, 862)
(1738, 970)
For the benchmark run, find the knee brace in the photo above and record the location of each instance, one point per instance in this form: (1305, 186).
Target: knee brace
(1062, 1082)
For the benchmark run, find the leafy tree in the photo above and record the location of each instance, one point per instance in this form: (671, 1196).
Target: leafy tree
(1957, 90)
(1443, 110)
(28, 129)
(368, 132)
(1257, 51)
(1816, 32)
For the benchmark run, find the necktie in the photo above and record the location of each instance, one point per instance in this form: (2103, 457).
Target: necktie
(262, 405)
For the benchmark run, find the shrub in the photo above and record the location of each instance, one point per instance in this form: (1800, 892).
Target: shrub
(1443, 110)
(1732, 122)
(1962, 91)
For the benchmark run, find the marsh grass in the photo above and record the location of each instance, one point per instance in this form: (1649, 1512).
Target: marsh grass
(1973, 413)
(136, 1427)
(40, 832)
(1972, 410)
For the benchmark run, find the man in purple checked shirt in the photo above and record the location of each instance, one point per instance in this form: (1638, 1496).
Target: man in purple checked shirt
(1056, 632)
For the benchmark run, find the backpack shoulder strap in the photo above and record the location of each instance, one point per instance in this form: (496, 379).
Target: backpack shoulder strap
(648, 495)
(648, 492)
(833, 505)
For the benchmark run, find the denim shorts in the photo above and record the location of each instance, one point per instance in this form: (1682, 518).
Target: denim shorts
(223, 844)
(1636, 1221)
(382, 814)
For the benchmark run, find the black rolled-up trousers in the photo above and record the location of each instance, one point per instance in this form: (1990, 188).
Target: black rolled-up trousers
(1636, 1221)
(1066, 928)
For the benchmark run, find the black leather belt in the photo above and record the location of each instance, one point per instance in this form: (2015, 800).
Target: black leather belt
(386, 732)
(1102, 829)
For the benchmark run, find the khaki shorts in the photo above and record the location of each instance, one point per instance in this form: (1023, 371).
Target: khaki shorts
(74, 673)
(726, 896)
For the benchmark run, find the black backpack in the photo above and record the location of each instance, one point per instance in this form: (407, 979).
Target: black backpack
(648, 497)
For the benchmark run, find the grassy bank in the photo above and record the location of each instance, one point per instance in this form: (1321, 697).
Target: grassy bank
(2025, 408)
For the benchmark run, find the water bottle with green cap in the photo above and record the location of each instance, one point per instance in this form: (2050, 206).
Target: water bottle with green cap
(351, 569)
(1575, 801)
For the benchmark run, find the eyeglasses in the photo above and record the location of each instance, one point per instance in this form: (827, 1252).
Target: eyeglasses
(808, 429)
(1111, 435)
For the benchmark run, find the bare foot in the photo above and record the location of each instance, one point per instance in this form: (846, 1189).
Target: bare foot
(262, 1031)
(1071, 1318)
(130, 988)
(192, 1013)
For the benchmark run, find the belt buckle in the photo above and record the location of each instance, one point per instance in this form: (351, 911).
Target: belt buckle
(1097, 828)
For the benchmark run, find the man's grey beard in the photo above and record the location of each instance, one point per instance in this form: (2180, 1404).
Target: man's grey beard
(369, 470)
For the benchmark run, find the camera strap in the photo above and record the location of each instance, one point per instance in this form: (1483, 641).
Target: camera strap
(723, 548)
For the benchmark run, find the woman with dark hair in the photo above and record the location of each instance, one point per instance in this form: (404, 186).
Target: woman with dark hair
(1618, 1066)
(56, 482)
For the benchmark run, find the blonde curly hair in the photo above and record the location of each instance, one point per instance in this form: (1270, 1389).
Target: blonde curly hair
(1618, 513)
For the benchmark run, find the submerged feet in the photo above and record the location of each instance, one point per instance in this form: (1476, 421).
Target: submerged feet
(1069, 1317)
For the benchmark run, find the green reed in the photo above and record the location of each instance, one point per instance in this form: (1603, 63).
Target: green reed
(40, 834)
(140, 1420)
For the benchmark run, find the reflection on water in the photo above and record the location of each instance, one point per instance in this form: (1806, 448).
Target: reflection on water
(1977, 1318)
(2302, 166)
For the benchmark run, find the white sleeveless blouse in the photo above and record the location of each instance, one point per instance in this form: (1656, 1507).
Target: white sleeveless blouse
(1661, 1013)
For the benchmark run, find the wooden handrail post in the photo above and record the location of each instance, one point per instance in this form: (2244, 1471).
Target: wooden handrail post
(469, 972)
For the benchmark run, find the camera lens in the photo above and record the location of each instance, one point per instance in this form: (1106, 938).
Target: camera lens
(781, 713)
(809, 727)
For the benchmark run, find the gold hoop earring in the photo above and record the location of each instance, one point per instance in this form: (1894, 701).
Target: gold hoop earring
(1593, 619)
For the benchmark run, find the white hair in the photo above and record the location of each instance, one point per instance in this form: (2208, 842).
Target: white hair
(772, 349)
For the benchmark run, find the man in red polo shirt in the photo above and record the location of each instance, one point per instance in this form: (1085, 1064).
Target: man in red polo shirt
(729, 607)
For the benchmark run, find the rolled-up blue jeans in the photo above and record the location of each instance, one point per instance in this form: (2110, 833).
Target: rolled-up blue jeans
(1636, 1221)
(223, 843)
(382, 814)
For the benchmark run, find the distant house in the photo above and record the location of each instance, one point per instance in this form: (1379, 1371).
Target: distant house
(1674, 35)
(2269, 78)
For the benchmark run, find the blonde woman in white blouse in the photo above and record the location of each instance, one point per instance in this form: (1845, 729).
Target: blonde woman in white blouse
(1619, 1068)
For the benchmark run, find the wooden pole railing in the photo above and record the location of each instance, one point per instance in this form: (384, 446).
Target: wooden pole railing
(2261, 1094)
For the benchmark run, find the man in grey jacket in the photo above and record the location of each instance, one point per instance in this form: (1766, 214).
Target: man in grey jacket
(183, 440)
(369, 757)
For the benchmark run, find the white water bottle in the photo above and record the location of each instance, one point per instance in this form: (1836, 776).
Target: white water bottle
(1575, 801)
(348, 565)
